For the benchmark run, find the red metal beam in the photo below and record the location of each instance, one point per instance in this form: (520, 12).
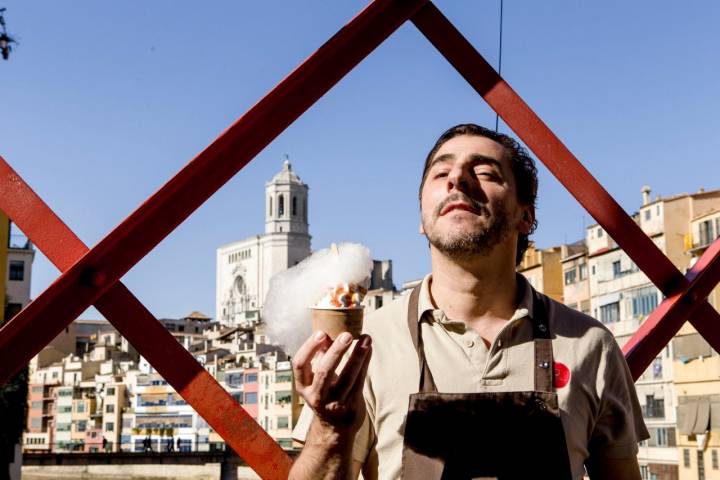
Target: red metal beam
(569, 171)
(93, 274)
(145, 333)
(688, 301)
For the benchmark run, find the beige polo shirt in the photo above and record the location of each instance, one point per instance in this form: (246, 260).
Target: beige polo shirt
(598, 405)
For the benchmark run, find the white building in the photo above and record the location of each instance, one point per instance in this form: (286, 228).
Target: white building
(20, 256)
(244, 268)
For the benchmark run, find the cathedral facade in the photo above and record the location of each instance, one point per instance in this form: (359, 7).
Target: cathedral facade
(244, 268)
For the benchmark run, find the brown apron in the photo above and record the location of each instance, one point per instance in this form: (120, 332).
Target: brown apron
(503, 435)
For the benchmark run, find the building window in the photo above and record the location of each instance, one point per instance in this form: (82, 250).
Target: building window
(82, 425)
(80, 408)
(570, 276)
(610, 313)
(294, 206)
(111, 391)
(599, 232)
(283, 377)
(251, 378)
(305, 210)
(707, 235)
(715, 463)
(583, 271)
(283, 397)
(281, 206)
(270, 206)
(616, 269)
(686, 457)
(282, 422)
(644, 301)
(647, 214)
(251, 398)
(17, 270)
(110, 426)
(657, 368)
(701, 465)
(593, 269)
(110, 408)
(378, 301)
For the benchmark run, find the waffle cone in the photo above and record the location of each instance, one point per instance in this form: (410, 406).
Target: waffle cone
(334, 321)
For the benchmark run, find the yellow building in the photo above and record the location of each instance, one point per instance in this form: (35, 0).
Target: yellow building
(622, 297)
(697, 372)
(576, 278)
(543, 270)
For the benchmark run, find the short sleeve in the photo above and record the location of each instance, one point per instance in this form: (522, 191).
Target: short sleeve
(619, 426)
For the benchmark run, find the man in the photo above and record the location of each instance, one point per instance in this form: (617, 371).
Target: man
(474, 374)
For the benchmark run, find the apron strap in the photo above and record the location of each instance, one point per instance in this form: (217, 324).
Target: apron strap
(427, 383)
(543, 344)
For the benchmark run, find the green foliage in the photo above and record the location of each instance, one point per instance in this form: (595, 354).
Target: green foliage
(13, 415)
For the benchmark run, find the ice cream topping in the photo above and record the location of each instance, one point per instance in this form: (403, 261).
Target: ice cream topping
(344, 295)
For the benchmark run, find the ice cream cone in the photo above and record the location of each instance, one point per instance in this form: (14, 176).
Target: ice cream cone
(334, 321)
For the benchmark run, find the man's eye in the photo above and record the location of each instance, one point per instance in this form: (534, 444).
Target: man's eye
(441, 174)
(487, 174)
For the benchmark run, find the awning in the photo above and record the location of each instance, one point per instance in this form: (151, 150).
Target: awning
(693, 416)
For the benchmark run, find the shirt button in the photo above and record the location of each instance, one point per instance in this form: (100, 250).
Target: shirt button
(469, 343)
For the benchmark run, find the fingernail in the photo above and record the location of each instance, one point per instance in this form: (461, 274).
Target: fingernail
(319, 336)
(366, 341)
(345, 337)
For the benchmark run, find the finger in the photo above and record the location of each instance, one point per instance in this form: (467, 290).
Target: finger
(301, 361)
(325, 370)
(352, 369)
(357, 387)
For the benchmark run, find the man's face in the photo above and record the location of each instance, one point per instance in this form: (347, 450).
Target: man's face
(469, 200)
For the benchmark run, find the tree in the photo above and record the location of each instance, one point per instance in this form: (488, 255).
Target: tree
(13, 415)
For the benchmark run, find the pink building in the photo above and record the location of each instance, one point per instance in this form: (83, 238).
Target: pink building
(250, 392)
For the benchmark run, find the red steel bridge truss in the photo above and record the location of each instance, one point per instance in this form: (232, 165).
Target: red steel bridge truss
(92, 276)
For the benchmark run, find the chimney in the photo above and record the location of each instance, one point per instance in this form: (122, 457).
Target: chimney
(646, 194)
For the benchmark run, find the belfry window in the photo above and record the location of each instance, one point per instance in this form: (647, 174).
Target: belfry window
(294, 206)
(281, 206)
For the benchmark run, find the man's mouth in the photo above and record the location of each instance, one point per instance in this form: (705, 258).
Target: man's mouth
(458, 206)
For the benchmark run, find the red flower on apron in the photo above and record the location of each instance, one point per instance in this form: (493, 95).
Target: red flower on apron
(561, 374)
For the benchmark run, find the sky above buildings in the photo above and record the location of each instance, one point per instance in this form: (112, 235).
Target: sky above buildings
(103, 102)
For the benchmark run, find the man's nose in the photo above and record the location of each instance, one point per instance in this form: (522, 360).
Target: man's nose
(458, 179)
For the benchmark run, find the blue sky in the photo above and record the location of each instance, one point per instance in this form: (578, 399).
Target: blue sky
(103, 101)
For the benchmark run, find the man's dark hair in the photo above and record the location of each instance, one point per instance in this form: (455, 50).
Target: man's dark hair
(523, 168)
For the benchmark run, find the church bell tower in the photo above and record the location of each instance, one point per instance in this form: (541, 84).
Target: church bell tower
(286, 203)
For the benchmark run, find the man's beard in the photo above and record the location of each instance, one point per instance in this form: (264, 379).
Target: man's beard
(466, 245)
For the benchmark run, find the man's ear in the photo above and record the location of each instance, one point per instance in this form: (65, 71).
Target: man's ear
(527, 220)
(421, 229)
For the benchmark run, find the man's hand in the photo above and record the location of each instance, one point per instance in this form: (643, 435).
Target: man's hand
(336, 400)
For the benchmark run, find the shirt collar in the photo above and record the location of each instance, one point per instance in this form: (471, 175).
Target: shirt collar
(425, 303)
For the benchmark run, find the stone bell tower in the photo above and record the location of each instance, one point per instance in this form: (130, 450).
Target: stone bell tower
(286, 203)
